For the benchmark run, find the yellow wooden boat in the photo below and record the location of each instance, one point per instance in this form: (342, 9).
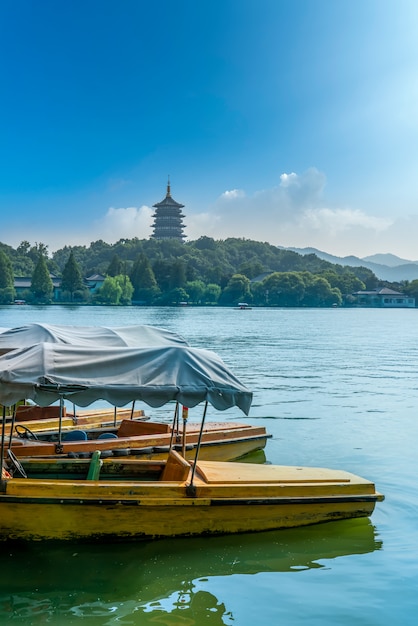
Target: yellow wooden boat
(149, 499)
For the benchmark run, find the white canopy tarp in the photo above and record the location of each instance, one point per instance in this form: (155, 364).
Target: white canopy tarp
(47, 372)
(139, 335)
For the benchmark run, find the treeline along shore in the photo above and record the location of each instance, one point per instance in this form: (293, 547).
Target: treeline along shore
(168, 272)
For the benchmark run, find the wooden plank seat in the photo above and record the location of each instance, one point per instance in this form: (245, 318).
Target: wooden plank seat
(29, 412)
(176, 468)
(130, 428)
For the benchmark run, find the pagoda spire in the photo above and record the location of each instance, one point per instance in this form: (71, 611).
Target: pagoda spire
(168, 188)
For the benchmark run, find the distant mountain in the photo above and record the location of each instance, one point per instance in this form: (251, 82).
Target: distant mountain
(385, 266)
(391, 260)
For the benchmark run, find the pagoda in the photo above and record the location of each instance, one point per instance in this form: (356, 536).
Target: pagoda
(168, 218)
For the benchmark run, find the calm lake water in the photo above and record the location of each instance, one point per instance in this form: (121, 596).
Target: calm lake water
(336, 388)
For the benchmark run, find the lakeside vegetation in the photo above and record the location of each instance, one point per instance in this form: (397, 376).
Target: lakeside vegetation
(168, 272)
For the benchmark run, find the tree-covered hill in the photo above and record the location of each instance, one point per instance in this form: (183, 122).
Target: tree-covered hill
(201, 271)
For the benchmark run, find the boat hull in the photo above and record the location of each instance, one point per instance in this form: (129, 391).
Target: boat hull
(247, 499)
(122, 521)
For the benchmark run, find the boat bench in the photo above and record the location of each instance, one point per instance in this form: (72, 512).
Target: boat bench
(176, 468)
(33, 412)
(131, 428)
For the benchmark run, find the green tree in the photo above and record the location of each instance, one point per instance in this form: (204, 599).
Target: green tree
(162, 272)
(205, 243)
(23, 266)
(411, 289)
(143, 280)
(35, 251)
(127, 289)
(110, 292)
(195, 290)
(346, 282)
(212, 294)
(72, 280)
(174, 296)
(41, 285)
(177, 274)
(284, 289)
(251, 268)
(23, 248)
(237, 289)
(7, 290)
(318, 292)
(115, 267)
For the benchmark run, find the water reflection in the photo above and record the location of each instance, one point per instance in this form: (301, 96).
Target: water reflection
(162, 582)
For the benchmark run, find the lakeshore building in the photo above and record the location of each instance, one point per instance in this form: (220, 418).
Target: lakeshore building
(23, 284)
(385, 298)
(168, 218)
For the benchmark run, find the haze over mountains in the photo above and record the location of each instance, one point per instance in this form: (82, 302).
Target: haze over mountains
(385, 266)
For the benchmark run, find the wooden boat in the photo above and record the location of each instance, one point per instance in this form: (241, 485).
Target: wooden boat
(134, 499)
(150, 499)
(135, 434)
(220, 441)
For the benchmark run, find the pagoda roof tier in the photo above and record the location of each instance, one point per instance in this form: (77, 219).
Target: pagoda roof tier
(168, 212)
(169, 202)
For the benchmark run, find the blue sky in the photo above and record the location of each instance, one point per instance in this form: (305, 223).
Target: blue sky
(288, 121)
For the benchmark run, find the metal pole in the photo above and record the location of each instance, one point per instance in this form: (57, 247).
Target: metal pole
(173, 427)
(198, 444)
(12, 426)
(2, 480)
(58, 446)
(185, 415)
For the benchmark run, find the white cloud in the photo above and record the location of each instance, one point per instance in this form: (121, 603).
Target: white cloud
(233, 194)
(295, 214)
(124, 223)
(201, 224)
(288, 179)
(341, 220)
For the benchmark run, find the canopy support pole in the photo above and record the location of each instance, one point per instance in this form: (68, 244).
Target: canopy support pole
(175, 425)
(59, 447)
(2, 480)
(132, 410)
(185, 415)
(74, 415)
(191, 488)
(12, 426)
